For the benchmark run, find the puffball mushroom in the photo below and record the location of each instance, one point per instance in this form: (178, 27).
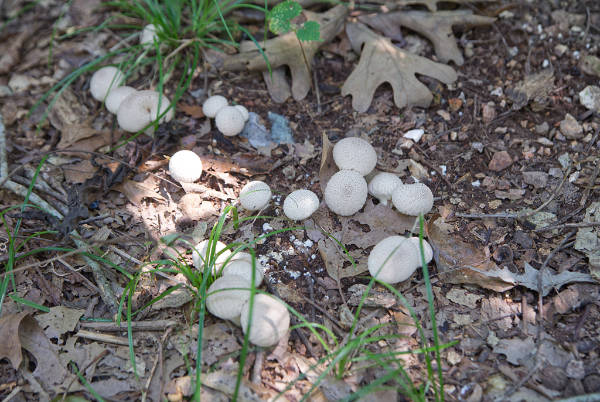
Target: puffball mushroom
(243, 268)
(200, 251)
(229, 121)
(243, 111)
(148, 35)
(141, 108)
(255, 195)
(394, 259)
(213, 104)
(185, 166)
(226, 297)
(346, 192)
(116, 96)
(300, 204)
(355, 154)
(413, 199)
(427, 250)
(383, 185)
(104, 80)
(270, 320)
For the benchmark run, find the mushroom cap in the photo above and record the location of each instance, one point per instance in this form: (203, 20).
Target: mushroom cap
(383, 185)
(413, 199)
(428, 251)
(104, 80)
(116, 96)
(346, 192)
(402, 262)
(270, 320)
(255, 195)
(185, 166)
(213, 104)
(243, 111)
(141, 108)
(227, 304)
(148, 35)
(229, 121)
(300, 204)
(199, 254)
(356, 154)
(243, 268)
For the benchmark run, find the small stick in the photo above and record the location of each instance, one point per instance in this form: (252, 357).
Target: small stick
(156, 325)
(95, 336)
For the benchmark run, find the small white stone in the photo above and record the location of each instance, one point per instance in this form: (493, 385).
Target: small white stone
(415, 134)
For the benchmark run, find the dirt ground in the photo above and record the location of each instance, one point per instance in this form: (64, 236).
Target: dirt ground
(509, 151)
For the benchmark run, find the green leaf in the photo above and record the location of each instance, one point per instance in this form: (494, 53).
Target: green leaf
(309, 32)
(280, 16)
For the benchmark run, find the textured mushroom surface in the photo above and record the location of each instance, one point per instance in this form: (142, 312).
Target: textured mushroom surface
(243, 268)
(116, 96)
(213, 104)
(229, 121)
(356, 154)
(185, 166)
(141, 108)
(255, 195)
(383, 185)
(270, 320)
(243, 111)
(413, 199)
(200, 251)
(300, 204)
(393, 259)
(226, 296)
(346, 192)
(105, 80)
(427, 250)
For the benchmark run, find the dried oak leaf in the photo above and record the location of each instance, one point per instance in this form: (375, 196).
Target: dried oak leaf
(460, 262)
(534, 88)
(381, 61)
(285, 50)
(335, 260)
(437, 27)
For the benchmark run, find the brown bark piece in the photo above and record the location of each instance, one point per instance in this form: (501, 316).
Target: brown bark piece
(380, 62)
(285, 50)
(437, 27)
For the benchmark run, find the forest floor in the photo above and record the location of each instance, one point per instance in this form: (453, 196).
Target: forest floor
(509, 151)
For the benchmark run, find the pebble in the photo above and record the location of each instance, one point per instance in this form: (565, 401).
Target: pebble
(571, 128)
(543, 128)
(478, 146)
(564, 160)
(488, 112)
(555, 172)
(560, 49)
(590, 65)
(415, 134)
(590, 97)
(536, 179)
(500, 161)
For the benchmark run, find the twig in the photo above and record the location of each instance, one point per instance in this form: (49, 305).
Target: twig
(159, 359)
(12, 394)
(568, 225)
(117, 340)
(156, 325)
(317, 93)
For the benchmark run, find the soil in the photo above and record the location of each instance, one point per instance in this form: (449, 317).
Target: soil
(485, 154)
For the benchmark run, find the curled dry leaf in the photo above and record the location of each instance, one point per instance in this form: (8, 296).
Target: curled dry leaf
(437, 27)
(285, 50)
(337, 264)
(381, 61)
(328, 166)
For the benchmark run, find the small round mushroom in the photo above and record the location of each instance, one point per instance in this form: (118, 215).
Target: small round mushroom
(393, 259)
(243, 111)
(212, 105)
(300, 204)
(226, 297)
(346, 192)
(427, 250)
(148, 35)
(116, 96)
(255, 195)
(185, 166)
(200, 251)
(270, 320)
(243, 268)
(383, 185)
(355, 154)
(104, 80)
(140, 108)
(229, 121)
(413, 199)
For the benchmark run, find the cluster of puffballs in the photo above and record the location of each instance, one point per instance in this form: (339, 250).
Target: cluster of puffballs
(134, 109)
(229, 295)
(230, 120)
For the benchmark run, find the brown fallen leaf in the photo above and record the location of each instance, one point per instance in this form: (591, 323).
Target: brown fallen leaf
(437, 27)
(194, 111)
(335, 260)
(534, 88)
(381, 61)
(79, 172)
(285, 50)
(10, 347)
(328, 166)
(277, 84)
(385, 218)
(137, 191)
(59, 320)
(67, 111)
